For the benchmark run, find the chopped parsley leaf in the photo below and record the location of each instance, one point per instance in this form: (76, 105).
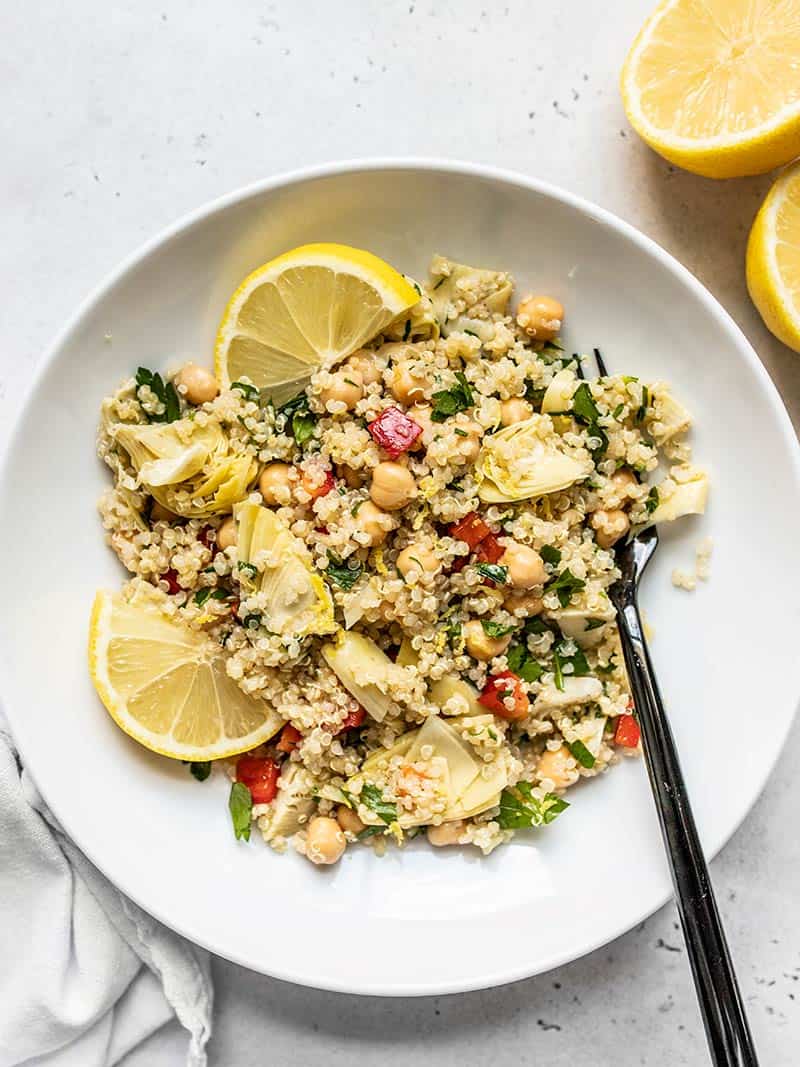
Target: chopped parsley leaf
(496, 629)
(248, 569)
(208, 592)
(581, 753)
(564, 585)
(407, 330)
(641, 411)
(618, 411)
(550, 554)
(343, 573)
(652, 500)
(593, 624)
(199, 770)
(368, 831)
(299, 418)
(449, 402)
(165, 391)
(240, 805)
(520, 809)
(495, 572)
(372, 798)
(249, 392)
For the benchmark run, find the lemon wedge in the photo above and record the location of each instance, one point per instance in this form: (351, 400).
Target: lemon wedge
(773, 259)
(311, 306)
(166, 685)
(712, 86)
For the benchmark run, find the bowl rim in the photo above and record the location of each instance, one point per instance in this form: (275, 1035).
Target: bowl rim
(460, 168)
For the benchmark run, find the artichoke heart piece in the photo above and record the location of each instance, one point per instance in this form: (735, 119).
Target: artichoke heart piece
(453, 696)
(189, 468)
(526, 460)
(490, 290)
(297, 601)
(364, 670)
(292, 806)
(419, 323)
(558, 395)
(688, 497)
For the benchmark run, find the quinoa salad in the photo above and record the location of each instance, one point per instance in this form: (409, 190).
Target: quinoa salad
(399, 571)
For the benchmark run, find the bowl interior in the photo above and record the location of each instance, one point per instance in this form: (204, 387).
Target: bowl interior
(419, 921)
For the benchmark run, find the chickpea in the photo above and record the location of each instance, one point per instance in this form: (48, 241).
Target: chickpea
(514, 410)
(345, 386)
(405, 386)
(158, 513)
(540, 317)
(325, 841)
(559, 766)
(197, 384)
(372, 522)
(525, 566)
(447, 833)
(478, 643)
(609, 526)
(421, 414)
(625, 484)
(469, 446)
(393, 486)
(348, 820)
(363, 362)
(275, 483)
(226, 534)
(418, 558)
(350, 477)
(526, 604)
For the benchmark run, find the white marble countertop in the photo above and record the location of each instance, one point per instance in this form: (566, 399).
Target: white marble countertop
(118, 118)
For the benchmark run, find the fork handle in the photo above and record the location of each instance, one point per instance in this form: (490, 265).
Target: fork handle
(729, 1038)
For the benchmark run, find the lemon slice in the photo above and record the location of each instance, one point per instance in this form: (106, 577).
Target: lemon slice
(311, 306)
(166, 686)
(773, 259)
(712, 86)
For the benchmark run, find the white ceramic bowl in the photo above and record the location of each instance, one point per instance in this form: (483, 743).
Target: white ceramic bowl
(418, 921)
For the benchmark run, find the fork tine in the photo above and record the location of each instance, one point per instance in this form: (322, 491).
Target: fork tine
(578, 365)
(601, 364)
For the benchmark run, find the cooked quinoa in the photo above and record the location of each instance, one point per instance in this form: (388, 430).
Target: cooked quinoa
(409, 562)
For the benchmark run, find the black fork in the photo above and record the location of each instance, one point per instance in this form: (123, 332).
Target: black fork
(729, 1040)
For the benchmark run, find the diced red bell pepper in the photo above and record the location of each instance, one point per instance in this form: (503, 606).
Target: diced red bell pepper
(394, 431)
(627, 732)
(352, 720)
(289, 739)
(171, 578)
(316, 490)
(471, 530)
(260, 774)
(489, 550)
(498, 688)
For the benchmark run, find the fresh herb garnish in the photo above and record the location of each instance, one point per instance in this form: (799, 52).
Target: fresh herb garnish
(472, 333)
(534, 394)
(240, 805)
(652, 500)
(372, 798)
(618, 411)
(593, 624)
(607, 668)
(495, 572)
(496, 629)
(369, 831)
(165, 392)
(520, 809)
(344, 573)
(550, 554)
(581, 753)
(461, 433)
(585, 410)
(577, 663)
(248, 569)
(565, 584)
(449, 402)
(209, 592)
(407, 330)
(522, 663)
(249, 392)
(641, 411)
(200, 771)
(298, 416)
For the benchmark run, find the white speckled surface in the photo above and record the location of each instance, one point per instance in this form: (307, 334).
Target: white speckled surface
(119, 118)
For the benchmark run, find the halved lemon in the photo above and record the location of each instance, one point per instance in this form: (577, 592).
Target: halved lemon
(714, 86)
(311, 306)
(166, 686)
(773, 259)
